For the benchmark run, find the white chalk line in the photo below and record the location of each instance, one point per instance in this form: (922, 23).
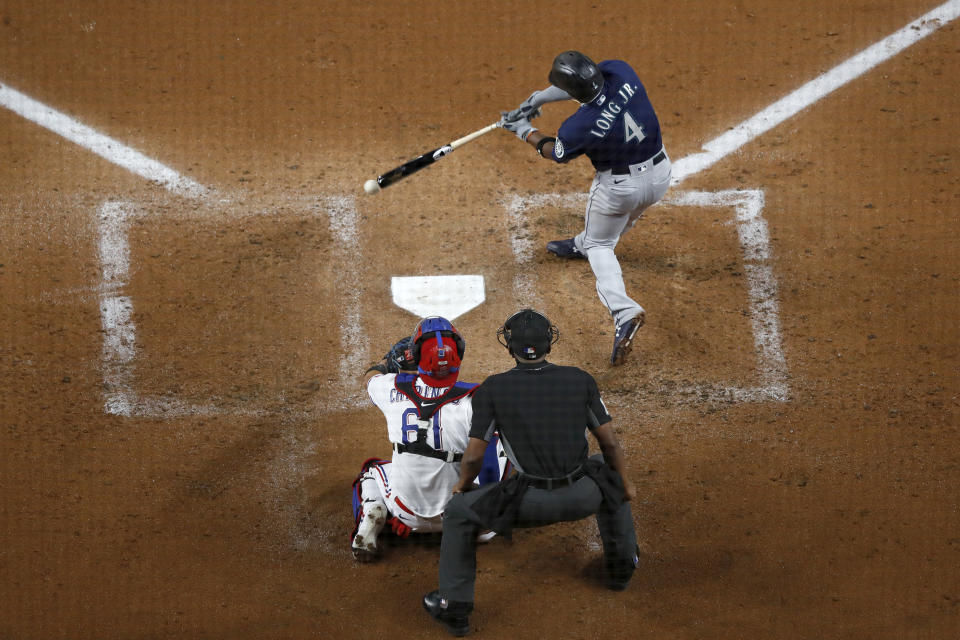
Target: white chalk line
(104, 146)
(813, 91)
(344, 225)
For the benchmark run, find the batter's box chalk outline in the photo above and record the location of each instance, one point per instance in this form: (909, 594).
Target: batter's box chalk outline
(120, 354)
(754, 237)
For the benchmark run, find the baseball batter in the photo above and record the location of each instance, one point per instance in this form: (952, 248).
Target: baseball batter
(617, 129)
(428, 415)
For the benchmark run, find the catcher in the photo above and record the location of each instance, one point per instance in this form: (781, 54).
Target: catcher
(428, 421)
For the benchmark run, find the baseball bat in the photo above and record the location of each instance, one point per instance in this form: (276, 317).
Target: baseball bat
(412, 166)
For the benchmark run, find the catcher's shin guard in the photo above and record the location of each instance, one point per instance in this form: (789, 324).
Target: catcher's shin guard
(369, 512)
(364, 545)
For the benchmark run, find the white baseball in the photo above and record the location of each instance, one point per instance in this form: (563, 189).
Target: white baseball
(371, 186)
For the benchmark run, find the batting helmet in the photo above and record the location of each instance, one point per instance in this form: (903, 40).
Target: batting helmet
(528, 334)
(437, 347)
(576, 74)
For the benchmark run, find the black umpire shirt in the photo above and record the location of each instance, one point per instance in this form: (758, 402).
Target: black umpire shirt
(540, 411)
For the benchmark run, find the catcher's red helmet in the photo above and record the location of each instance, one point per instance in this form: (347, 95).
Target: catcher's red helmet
(438, 349)
(439, 364)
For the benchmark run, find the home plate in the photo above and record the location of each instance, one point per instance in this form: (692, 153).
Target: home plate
(447, 296)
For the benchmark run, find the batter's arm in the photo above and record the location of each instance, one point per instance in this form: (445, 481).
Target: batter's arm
(471, 464)
(613, 455)
(546, 151)
(530, 108)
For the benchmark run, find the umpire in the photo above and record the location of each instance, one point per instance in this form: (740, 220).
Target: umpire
(541, 411)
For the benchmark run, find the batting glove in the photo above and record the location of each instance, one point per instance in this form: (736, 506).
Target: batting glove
(520, 128)
(529, 109)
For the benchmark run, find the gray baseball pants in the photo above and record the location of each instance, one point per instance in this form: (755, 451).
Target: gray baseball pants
(539, 507)
(614, 205)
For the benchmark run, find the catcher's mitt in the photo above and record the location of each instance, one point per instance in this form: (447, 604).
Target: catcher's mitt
(400, 357)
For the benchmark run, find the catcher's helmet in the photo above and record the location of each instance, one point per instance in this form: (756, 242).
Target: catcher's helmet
(576, 74)
(437, 348)
(528, 334)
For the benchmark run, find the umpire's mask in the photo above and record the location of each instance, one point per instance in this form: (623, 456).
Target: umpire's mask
(528, 334)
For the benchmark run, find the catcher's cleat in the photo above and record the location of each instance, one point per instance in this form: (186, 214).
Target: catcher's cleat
(455, 616)
(565, 249)
(623, 338)
(364, 545)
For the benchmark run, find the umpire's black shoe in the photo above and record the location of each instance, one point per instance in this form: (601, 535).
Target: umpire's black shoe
(455, 616)
(565, 249)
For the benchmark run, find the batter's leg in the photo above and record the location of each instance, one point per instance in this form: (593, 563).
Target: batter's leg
(606, 217)
(654, 187)
(610, 287)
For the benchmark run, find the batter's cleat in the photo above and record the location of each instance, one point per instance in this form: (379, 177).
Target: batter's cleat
(364, 545)
(565, 249)
(455, 616)
(623, 338)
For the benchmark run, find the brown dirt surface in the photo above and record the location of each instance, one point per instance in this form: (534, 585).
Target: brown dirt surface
(211, 499)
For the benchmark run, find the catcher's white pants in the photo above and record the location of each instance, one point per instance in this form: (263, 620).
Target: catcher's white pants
(614, 205)
(376, 485)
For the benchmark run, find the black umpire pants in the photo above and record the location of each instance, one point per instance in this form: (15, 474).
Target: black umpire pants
(539, 507)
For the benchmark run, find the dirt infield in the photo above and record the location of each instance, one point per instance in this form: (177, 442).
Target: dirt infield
(180, 408)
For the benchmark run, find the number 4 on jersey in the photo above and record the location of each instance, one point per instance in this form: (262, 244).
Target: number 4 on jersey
(632, 130)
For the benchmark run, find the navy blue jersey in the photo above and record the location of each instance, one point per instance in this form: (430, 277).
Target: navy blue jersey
(618, 128)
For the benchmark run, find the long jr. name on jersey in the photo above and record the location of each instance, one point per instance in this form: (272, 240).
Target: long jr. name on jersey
(609, 114)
